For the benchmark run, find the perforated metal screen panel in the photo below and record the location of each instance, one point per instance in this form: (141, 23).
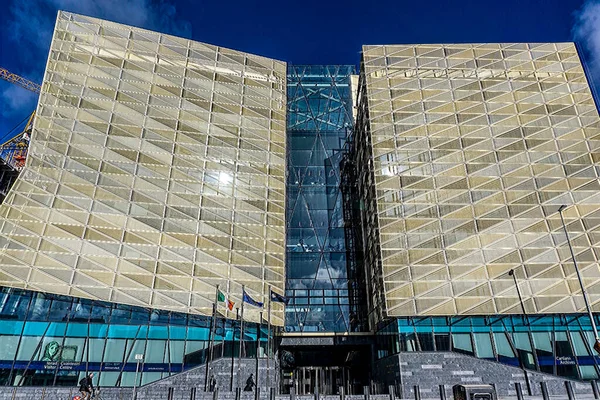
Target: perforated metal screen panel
(156, 171)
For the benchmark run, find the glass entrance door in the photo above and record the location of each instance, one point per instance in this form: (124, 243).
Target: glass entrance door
(327, 380)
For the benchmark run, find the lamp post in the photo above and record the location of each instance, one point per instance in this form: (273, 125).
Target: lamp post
(583, 291)
(138, 359)
(525, 317)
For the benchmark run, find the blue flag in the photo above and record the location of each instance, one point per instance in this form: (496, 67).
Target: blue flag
(251, 301)
(277, 298)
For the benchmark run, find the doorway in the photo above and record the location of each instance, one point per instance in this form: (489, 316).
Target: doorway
(325, 368)
(327, 380)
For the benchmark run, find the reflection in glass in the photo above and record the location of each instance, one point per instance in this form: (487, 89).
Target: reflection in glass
(461, 343)
(38, 347)
(554, 344)
(319, 115)
(542, 342)
(483, 345)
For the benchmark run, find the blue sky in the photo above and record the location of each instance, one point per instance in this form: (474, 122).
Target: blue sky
(299, 32)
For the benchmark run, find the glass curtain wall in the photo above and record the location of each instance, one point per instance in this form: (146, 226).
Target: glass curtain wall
(319, 119)
(54, 340)
(555, 344)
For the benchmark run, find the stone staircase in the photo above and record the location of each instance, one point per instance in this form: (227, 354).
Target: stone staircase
(426, 371)
(228, 373)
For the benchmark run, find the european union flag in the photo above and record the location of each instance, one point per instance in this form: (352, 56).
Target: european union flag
(251, 301)
(277, 298)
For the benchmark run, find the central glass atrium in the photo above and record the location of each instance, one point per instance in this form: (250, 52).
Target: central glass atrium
(319, 122)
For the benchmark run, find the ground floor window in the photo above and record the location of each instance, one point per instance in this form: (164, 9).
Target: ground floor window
(555, 344)
(55, 340)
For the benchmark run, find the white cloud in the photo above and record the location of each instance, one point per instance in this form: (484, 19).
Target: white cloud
(587, 31)
(17, 98)
(33, 20)
(158, 15)
(30, 31)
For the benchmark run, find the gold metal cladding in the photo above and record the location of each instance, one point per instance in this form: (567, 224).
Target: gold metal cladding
(475, 147)
(156, 172)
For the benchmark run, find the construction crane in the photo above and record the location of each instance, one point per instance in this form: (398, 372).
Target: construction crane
(14, 151)
(19, 80)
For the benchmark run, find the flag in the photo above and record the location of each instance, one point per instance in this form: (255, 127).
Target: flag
(278, 298)
(229, 303)
(250, 300)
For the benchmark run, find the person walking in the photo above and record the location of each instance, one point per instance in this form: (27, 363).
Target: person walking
(212, 384)
(249, 383)
(86, 386)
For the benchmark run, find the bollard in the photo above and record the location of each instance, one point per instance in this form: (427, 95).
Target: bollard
(417, 392)
(570, 393)
(216, 394)
(193, 394)
(527, 383)
(544, 387)
(272, 393)
(442, 392)
(399, 389)
(595, 389)
(238, 393)
(391, 392)
(170, 394)
(367, 393)
(519, 390)
(292, 393)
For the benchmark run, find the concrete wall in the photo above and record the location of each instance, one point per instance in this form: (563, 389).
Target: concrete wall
(428, 370)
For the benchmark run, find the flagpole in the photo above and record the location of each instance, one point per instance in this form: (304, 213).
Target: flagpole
(237, 318)
(258, 332)
(269, 322)
(211, 337)
(241, 338)
(268, 333)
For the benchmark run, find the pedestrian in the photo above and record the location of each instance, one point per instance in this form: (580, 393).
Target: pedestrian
(249, 383)
(212, 385)
(86, 386)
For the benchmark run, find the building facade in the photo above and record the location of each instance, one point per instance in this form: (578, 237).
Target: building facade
(155, 175)
(473, 148)
(465, 155)
(175, 192)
